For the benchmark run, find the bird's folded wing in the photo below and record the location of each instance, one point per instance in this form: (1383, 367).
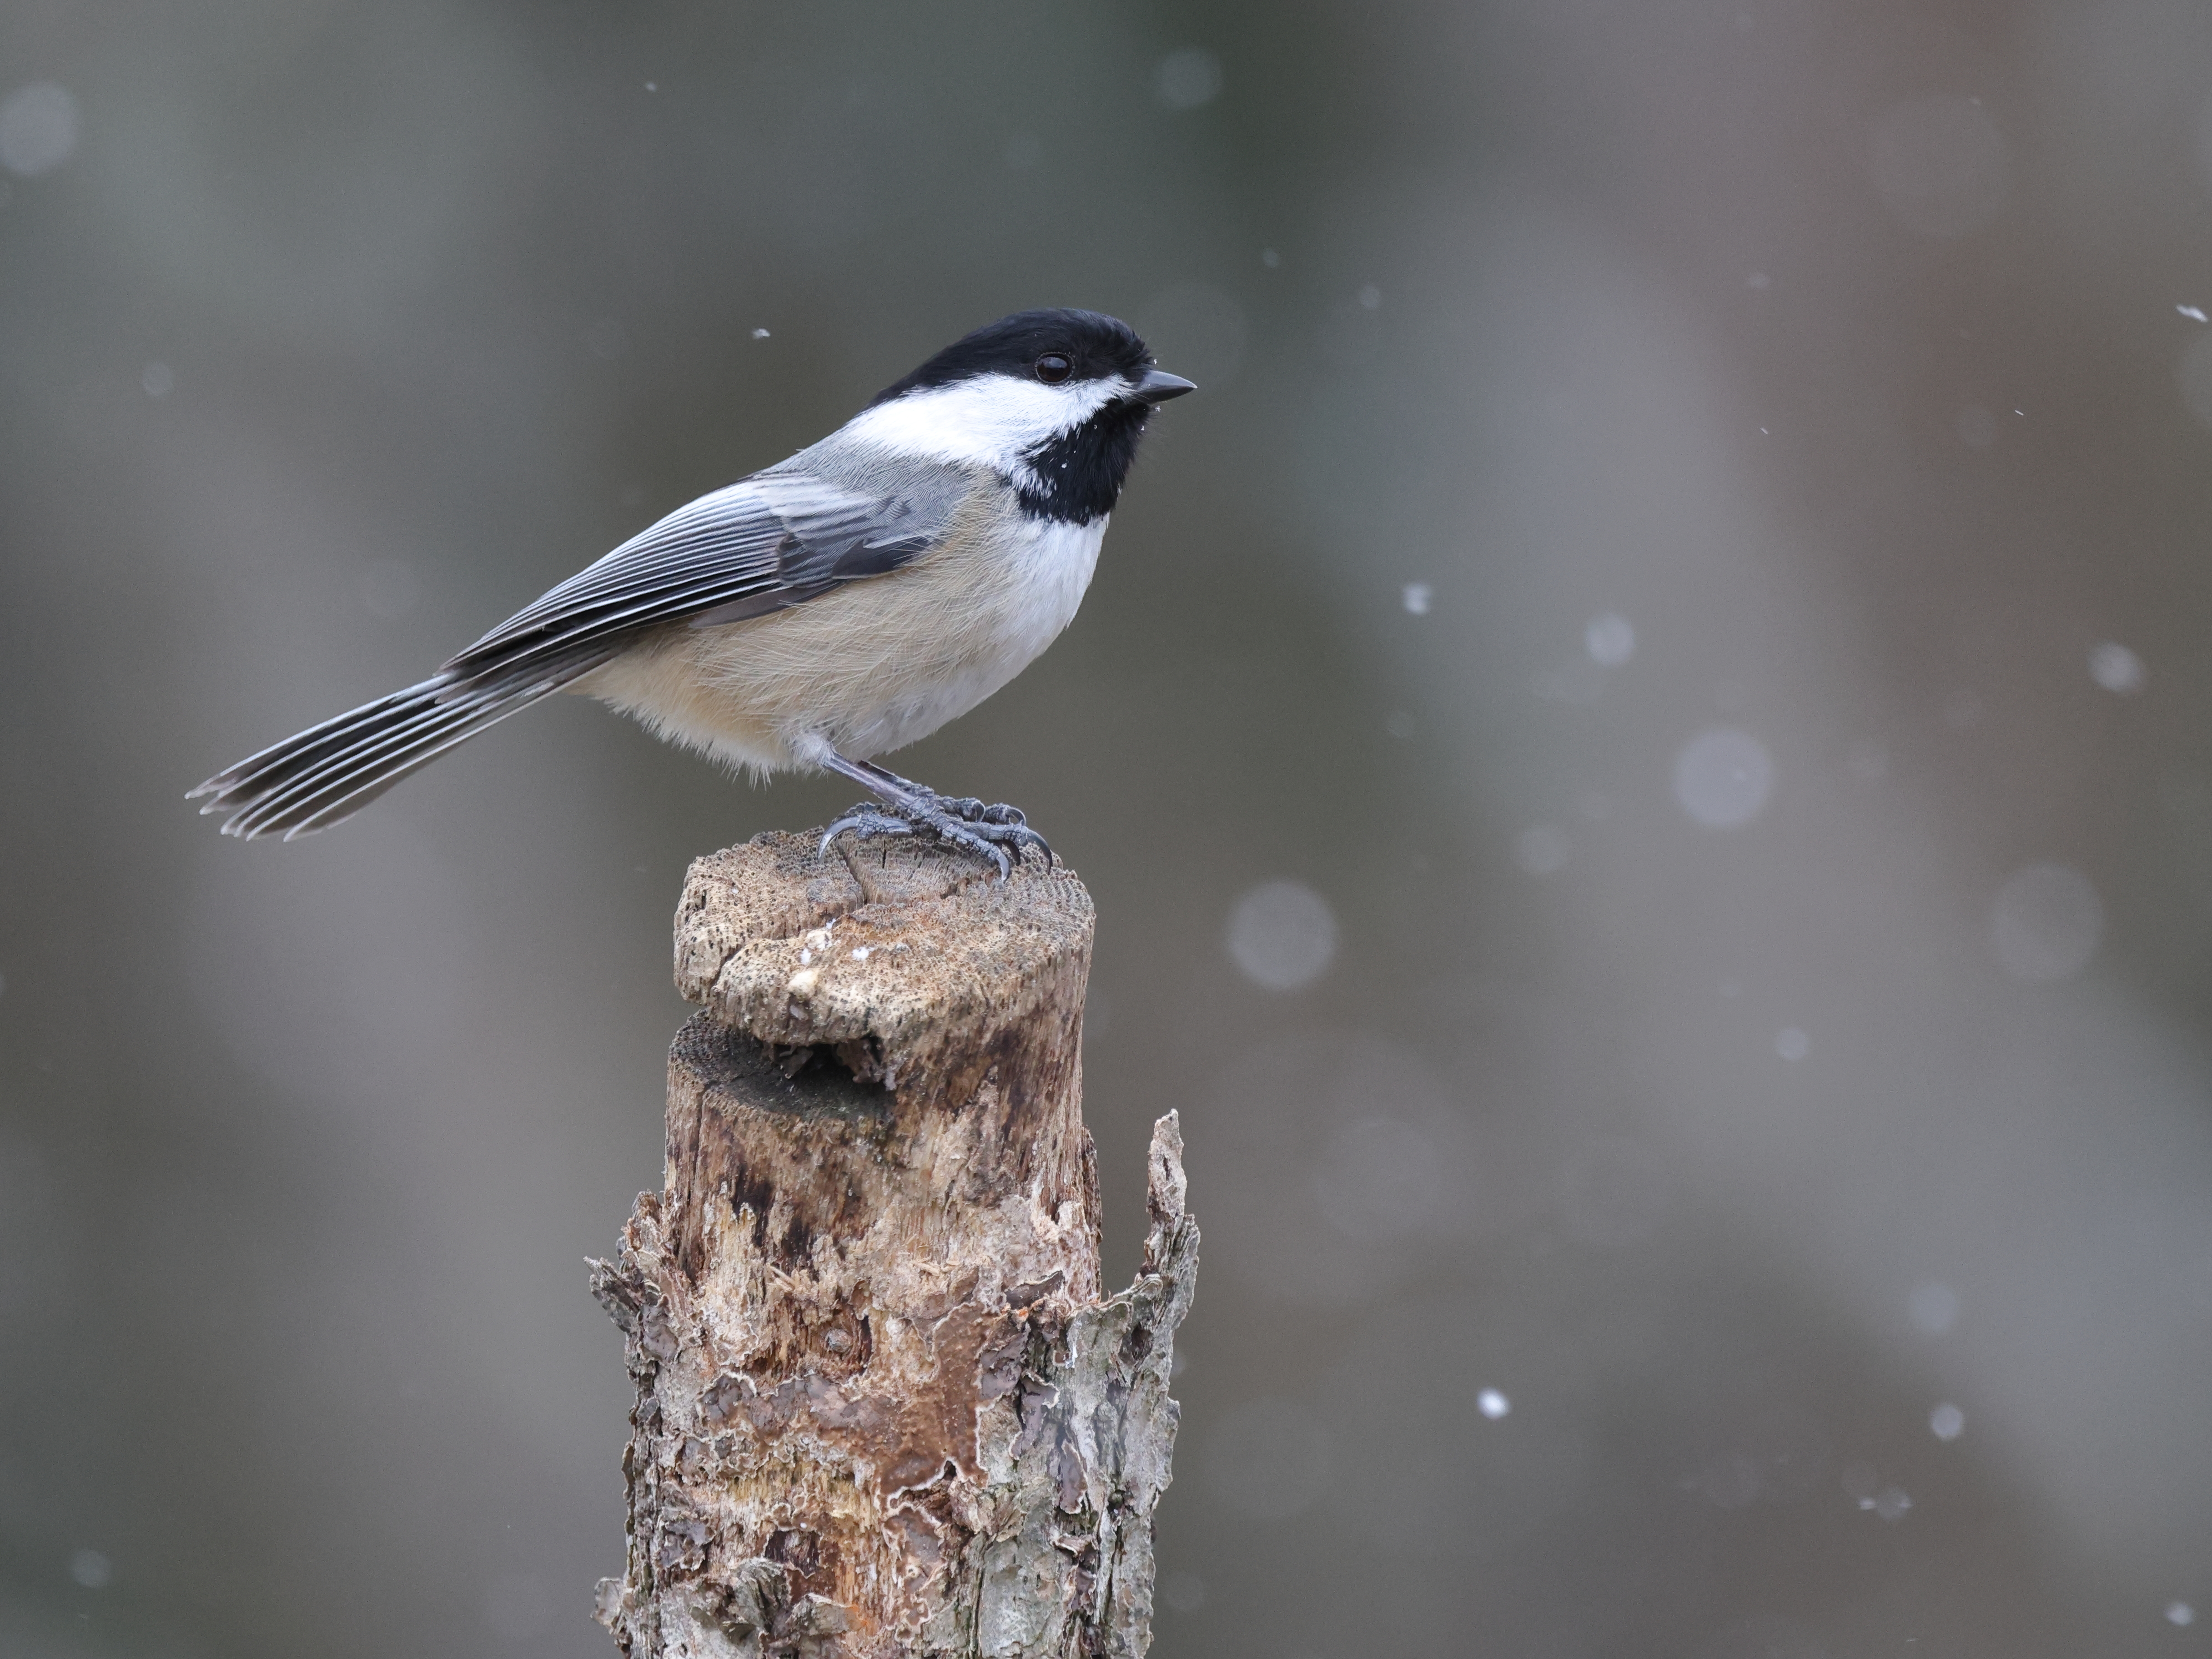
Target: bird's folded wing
(776, 539)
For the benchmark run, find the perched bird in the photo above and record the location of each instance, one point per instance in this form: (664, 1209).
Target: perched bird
(833, 608)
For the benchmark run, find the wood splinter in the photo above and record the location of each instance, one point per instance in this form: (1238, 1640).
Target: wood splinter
(883, 1409)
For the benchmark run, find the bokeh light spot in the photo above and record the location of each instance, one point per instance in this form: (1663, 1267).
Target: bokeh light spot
(1282, 934)
(1189, 78)
(1610, 639)
(38, 128)
(1722, 778)
(2117, 669)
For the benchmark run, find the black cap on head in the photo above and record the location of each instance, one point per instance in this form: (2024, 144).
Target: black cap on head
(1092, 347)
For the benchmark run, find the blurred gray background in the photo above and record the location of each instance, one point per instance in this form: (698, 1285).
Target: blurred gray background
(1642, 749)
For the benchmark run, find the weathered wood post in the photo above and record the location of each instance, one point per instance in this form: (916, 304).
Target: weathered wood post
(882, 1408)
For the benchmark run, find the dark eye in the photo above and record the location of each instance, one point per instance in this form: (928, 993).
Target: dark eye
(1052, 368)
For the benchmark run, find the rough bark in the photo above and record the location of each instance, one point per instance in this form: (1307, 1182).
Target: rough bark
(882, 1408)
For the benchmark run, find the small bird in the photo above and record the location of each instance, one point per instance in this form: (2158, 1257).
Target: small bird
(830, 609)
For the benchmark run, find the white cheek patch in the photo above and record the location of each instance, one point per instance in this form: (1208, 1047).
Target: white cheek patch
(991, 421)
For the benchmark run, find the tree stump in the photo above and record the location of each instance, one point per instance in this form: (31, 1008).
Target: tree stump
(881, 1407)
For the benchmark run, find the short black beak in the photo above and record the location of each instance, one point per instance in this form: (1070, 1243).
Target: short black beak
(1158, 385)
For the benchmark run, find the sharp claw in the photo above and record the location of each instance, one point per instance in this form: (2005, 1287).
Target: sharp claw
(999, 832)
(1016, 829)
(974, 843)
(864, 820)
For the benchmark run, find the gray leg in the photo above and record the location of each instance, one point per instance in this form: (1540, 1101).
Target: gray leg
(909, 806)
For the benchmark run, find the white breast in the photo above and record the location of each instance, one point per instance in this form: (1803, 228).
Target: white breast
(983, 626)
(1054, 564)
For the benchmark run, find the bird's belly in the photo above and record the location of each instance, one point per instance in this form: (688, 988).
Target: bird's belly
(869, 668)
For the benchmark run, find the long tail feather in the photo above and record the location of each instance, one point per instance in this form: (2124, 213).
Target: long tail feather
(329, 772)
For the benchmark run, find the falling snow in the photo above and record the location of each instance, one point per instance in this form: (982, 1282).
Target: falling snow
(1492, 1404)
(1890, 1503)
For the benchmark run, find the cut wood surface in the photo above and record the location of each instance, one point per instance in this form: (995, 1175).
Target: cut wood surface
(883, 1407)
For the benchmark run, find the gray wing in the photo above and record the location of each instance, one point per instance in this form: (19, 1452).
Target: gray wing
(776, 539)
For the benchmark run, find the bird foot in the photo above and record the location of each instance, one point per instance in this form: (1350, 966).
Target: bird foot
(998, 833)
